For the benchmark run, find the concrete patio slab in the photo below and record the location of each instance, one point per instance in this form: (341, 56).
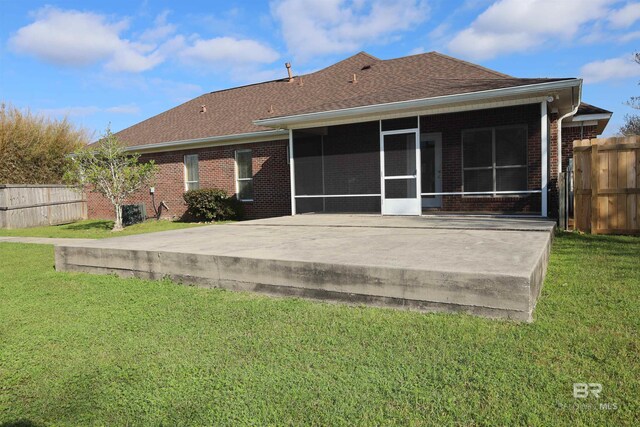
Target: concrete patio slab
(493, 271)
(450, 221)
(44, 240)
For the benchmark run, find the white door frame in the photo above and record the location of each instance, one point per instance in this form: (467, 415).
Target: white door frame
(409, 206)
(436, 201)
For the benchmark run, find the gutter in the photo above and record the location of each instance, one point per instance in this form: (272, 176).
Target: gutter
(569, 114)
(266, 135)
(280, 122)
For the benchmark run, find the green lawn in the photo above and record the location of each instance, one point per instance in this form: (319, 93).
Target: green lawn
(78, 349)
(97, 229)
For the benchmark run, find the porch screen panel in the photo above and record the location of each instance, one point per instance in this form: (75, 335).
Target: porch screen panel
(342, 162)
(495, 159)
(511, 158)
(477, 157)
(308, 163)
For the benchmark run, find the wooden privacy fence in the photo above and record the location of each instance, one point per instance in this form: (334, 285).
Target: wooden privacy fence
(607, 185)
(31, 205)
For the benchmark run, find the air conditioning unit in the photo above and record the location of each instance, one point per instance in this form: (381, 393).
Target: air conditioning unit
(133, 214)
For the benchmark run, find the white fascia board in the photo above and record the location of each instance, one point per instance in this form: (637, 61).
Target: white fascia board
(456, 108)
(586, 117)
(213, 141)
(281, 122)
(578, 124)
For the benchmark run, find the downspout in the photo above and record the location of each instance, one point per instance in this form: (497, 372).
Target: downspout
(569, 114)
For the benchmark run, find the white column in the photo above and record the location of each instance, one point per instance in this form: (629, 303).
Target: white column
(544, 161)
(292, 174)
(381, 167)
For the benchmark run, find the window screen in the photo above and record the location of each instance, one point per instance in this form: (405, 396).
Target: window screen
(244, 171)
(477, 149)
(337, 168)
(511, 147)
(191, 173)
(495, 159)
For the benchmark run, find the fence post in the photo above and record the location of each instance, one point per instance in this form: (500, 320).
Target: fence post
(594, 186)
(562, 200)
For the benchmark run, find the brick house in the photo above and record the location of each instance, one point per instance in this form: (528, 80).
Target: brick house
(399, 137)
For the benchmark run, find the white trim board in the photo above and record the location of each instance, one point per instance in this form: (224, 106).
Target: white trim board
(292, 174)
(584, 117)
(578, 124)
(213, 141)
(473, 97)
(420, 112)
(544, 158)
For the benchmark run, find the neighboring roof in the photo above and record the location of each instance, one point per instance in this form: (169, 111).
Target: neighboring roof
(232, 111)
(585, 108)
(591, 115)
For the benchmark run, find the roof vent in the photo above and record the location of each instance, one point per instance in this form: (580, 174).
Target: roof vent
(203, 108)
(271, 110)
(288, 65)
(366, 67)
(354, 79)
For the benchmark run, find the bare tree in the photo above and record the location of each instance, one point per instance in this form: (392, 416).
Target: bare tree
(631, 124)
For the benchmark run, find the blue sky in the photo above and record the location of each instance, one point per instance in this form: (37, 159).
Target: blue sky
(121, 62)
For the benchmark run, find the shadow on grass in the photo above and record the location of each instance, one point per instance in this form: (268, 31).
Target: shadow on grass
(104, 225)
(21, 423)
(616, 244)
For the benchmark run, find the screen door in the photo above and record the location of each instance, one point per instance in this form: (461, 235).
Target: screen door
(400, 172)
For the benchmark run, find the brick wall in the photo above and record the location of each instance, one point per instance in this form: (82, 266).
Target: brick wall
(570, 134)
(271, 185)
(451, 126)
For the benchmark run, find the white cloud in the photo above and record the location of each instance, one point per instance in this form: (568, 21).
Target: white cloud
(83, 111)
(69, 111)
(517, 25)
(610, 69)
(69, 37)
(629, 36)
(316, 27)
(124, 109)
(134, 58)
(625, 16)
(76, 39)
(160, 31)
(228, 51)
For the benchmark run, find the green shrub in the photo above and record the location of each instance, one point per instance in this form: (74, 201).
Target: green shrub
(211, 204)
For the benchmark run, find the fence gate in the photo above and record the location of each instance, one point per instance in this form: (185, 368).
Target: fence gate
(607, 185)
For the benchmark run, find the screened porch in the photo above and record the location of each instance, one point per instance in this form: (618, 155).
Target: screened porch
(420, 164)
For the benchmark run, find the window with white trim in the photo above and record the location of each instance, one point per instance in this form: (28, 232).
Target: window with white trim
(244, 175)
(495, 159)
(191, 173)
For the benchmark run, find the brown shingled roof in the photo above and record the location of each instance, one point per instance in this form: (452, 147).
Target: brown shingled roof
(232, 111)
(585, 108)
